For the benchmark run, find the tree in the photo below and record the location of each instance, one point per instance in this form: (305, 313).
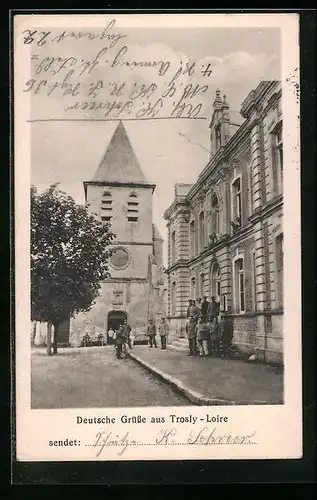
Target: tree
(69, 254)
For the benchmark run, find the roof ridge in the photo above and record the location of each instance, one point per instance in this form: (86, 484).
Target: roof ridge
(120, 163)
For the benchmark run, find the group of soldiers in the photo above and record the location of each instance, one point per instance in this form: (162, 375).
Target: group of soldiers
(206, 331)
(123, 337)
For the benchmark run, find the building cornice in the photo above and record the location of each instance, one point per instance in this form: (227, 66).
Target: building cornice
(119, 184)
(222, 156)
(253, 314)
(172, 208)
(129, 243)
(220, 159)
(224, 241)
(177, 265)
(252, 100)
(241, 234)
(267, 209)
(272, 102)
(126, 280)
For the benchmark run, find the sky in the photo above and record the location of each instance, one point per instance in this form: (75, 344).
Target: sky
(169, 151)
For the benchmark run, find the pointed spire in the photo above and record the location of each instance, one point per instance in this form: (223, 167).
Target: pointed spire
(225, 111)
(218, 101)
(119, 163)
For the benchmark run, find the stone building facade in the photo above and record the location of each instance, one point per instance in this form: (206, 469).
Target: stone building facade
(226, 230)
(119, 194)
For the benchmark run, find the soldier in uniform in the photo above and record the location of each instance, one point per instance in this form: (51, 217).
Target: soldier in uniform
(203, 337)
(213, 310)
(151, 332)
(204, 308)
(121, 338)
(163, 330)
(127, 330)
(191, 331)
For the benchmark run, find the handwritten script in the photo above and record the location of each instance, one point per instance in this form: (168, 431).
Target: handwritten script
(204, 436)
(101, 74)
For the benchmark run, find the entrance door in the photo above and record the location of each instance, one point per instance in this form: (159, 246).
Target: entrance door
(115, 319)
(63, 333)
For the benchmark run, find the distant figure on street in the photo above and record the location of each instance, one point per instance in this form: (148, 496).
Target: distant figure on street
(191, 331)
(213, 310)
(193, 310)
(163, 331)
(114, 338)
(203, 337)
(151, 332)
(121, 339)
(204, 308)
(110, 336)
(86, 340)
(132, 339)
(214, 335)
(127, 330)
(190, 303)
(198, 305)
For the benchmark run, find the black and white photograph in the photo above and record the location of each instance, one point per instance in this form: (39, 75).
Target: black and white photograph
(154, 204)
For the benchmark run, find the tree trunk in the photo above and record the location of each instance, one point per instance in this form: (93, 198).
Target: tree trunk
(49, 338)
(33, 334)
(56, 328)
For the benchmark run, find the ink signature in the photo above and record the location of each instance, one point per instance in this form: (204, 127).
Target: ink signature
(169, 436)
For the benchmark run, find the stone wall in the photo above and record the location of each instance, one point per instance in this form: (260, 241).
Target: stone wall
(131, 297)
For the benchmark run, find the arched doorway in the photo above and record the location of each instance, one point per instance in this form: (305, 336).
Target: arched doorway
(114, 320)
(215, 281)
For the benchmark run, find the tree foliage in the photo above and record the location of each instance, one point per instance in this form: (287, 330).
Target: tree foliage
(69, 254)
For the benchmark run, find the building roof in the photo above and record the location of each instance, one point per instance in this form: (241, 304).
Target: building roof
(181, 189)
(119, 163)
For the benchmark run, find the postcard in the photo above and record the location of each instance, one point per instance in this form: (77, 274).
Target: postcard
(157, 237)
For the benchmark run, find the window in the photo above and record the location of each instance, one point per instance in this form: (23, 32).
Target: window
(173, 247)
(277, 158)
(218, 136)
(106, 207)
(214, 215)
(236, 204)
(173, 299)
(133, 208)
(279, 249)
(201, 285)
(192, 238)
(193, 288)
(215, 289)
(254, 280)
(239, 285)
(119, 258)
(250, 189)
(202, 230)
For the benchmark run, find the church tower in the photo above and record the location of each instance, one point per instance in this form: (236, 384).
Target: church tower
(120, 194)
